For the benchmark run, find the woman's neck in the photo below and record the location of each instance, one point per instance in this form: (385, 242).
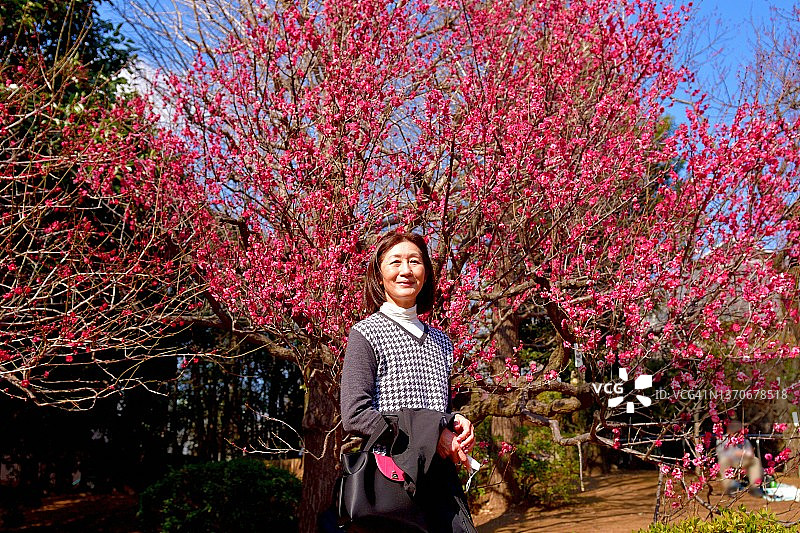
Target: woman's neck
(405, 317)
(391, 307)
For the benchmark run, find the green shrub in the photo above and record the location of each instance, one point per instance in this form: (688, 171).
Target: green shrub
(545, 472)
(548, 473)
(731, 520)
(240, 495)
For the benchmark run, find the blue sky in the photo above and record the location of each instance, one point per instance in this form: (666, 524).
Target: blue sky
(735, 20)
(733, 24)
(719, 40)
(724, 33)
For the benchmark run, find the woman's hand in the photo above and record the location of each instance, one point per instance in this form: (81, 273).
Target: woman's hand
(449, 447)
(465, 432)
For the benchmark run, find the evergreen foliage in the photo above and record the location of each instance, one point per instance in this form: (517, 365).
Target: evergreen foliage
(729, 521)
(235, 496)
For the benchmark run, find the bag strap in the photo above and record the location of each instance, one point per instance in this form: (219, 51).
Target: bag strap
(378, 433)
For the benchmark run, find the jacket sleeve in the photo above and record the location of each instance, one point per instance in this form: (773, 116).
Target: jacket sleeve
(358, 387)
(449, 408)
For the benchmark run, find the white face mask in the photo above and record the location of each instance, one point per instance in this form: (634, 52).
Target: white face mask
(474, 466)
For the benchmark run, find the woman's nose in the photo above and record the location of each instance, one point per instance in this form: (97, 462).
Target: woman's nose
(405, 268)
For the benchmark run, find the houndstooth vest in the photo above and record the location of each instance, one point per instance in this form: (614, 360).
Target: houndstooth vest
(412, 373)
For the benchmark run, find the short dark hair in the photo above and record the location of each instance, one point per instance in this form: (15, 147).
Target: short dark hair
(374, 293)
(735, 426)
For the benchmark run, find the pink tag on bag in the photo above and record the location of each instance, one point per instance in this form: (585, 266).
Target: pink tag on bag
(388, 468)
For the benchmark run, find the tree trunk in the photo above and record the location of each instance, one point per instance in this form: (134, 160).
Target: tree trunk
(503, 489)
(322, 442)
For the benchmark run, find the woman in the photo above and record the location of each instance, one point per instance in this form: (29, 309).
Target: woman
(394, 361)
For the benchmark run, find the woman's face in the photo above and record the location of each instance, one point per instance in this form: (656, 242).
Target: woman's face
(403, 274)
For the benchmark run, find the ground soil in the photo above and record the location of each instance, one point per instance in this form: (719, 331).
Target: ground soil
(621, 503)
(616, 503)
(82, 512)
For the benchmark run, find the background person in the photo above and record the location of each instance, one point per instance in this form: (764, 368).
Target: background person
(735, 451)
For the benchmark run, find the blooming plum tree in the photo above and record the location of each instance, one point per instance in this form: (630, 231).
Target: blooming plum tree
(94, 267)
(527, 142)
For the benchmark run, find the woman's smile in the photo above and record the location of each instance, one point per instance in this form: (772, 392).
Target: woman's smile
(403, 273)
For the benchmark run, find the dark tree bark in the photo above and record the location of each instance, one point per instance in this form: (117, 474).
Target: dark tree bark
(503, 489)
(322, 436)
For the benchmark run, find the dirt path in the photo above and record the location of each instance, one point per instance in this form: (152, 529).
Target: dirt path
(618, 503)
(82, 513)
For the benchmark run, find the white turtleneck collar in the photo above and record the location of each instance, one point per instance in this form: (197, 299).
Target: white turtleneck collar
(405, 317)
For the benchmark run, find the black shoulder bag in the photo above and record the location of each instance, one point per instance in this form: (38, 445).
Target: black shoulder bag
(371, 489)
